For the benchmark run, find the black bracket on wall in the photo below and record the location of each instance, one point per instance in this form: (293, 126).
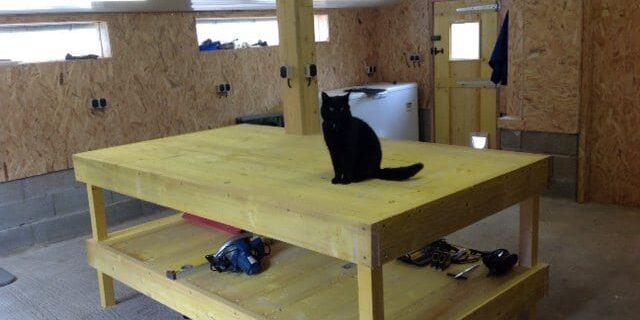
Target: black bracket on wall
(435, 51)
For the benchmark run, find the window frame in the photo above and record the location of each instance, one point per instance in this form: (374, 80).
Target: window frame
(100, 26)
(199, 20)
(479, 56)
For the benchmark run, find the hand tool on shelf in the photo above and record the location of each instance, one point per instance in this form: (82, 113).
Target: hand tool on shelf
(463, 275)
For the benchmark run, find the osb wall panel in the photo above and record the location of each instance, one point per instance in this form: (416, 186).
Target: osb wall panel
(401, 30)
(613, 142)
(157, 84)
(545, 59)
(552, 48)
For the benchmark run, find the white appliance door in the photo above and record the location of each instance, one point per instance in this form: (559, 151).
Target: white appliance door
(392, 116)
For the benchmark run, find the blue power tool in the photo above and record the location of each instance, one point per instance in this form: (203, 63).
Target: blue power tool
(241, 253)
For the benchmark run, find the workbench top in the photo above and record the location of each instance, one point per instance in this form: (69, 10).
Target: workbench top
(262, 180)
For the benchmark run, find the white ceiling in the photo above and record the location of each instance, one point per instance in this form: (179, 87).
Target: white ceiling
(69, 6)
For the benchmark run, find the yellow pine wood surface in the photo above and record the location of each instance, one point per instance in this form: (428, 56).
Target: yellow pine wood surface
(462, 109)
(259, 179)
(297, 283)
(297, 49)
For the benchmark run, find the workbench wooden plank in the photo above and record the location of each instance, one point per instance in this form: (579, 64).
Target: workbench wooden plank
(300, 284)
(188, 300)
(259, 179)
(423, 225)
(148, 227)
(100, 231)
(370, 293)
(529, 224)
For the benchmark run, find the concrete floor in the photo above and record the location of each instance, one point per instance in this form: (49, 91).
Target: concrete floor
(594, 252)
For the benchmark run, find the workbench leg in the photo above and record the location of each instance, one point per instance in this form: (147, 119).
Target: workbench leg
(370, 293)
(99, 229)
(529, 218)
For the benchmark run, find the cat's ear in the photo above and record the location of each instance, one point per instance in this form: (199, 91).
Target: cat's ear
(346, 99)
(325, 96)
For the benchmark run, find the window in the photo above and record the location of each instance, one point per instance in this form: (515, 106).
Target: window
(251, 30)
(28, 43)
(465, 41)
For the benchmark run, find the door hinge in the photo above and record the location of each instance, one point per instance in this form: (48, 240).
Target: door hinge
(487, 7)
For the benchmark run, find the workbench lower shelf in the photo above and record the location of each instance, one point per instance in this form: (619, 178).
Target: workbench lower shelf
(297, 283)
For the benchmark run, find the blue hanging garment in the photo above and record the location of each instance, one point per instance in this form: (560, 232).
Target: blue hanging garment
(500, 58)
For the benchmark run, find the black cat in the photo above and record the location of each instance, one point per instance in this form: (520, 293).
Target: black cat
(354, 147)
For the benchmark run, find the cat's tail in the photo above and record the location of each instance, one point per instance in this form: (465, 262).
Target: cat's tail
(399, 174)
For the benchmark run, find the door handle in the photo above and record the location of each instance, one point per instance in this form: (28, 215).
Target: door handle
(435, 51)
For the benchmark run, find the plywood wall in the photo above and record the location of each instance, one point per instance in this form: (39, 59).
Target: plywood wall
(157, 84)
(545, 55)
(546, 49)
(613, 142)
(401, 30)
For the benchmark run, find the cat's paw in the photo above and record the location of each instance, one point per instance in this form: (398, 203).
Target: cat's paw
(336, 180)
(346, 181)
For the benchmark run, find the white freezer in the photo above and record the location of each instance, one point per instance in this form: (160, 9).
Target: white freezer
(392, 115)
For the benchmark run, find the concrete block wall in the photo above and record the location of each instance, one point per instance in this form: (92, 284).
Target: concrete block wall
(53, 207)
(562, 147)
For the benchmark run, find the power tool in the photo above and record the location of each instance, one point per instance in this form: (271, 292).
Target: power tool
(499, 262)
(241, 253)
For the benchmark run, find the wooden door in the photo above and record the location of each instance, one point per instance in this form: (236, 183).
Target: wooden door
(465, 34)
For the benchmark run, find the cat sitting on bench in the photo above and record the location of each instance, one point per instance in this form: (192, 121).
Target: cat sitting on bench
(354, 147)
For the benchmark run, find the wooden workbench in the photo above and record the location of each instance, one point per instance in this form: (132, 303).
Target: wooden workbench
(261, 180)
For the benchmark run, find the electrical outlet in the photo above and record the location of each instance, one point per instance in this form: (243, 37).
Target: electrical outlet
(223, 89)
(95, 103)
(286, 72)
(103, 103)
(310, 71)
(371, 70)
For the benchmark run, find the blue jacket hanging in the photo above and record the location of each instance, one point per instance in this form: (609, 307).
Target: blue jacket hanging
(500, 58)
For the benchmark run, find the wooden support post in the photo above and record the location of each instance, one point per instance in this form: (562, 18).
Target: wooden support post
(297, 49)
(100, 232)
(529, 218)
(370, 293)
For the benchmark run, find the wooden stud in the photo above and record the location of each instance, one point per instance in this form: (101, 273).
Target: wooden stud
(370, 293)
(441, 67)
(585, 100)
(529, 216)
(100, 232)
(489, 97)
(297, 49)
(107, 290)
